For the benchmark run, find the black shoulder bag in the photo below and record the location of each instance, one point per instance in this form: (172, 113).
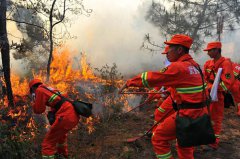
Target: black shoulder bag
(82, 108)
(195, 132)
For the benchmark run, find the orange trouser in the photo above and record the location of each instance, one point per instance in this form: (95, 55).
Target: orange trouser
(55, 140)
(163, 111)
(165, 132)
(217, 112)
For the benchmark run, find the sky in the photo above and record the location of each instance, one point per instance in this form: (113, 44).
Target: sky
(114, 33)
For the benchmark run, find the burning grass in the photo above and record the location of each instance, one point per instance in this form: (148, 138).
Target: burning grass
(21, 131)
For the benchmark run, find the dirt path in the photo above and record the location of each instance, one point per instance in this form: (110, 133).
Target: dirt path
(109, 139)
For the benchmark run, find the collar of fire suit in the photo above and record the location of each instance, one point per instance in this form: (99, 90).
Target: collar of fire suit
(185, 57)
(217, 64)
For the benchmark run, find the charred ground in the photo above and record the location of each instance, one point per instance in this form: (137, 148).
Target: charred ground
(109, 139)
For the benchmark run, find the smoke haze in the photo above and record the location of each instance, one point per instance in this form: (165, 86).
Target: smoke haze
(114, 33)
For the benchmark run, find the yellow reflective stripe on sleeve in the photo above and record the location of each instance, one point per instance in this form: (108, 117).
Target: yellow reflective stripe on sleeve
(52, 98)
(223, 86)
(144, 79)
(164, 156)
(217, 136)
(161, 109)
(208, 70)
(195, 89)
(235, 73)
(48, 157)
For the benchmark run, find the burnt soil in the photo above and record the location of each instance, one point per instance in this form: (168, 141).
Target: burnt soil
(108, 141)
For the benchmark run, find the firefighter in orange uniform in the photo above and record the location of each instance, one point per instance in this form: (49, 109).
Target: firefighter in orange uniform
(186, 81)
(226, 82)
(55, 141)
(235, 90)
(165, 106)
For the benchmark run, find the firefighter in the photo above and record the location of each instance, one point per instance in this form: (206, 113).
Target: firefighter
(185, 79)
(235, 90)
(226, 82)
(62, 118)
(165, 106)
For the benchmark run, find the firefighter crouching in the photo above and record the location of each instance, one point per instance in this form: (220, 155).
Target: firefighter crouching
(226, 82)
(62, 118)
(185, 79)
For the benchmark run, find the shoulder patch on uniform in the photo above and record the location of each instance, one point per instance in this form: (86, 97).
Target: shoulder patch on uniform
(164, 70)
(228, 76)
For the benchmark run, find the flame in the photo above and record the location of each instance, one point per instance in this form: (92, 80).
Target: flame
(63, 76)
(87, 73)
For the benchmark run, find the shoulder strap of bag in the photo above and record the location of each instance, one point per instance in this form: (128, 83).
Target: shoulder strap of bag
(65, 98)
(206, 99)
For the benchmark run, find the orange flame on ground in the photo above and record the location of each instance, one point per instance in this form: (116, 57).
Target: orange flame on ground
(63, 76)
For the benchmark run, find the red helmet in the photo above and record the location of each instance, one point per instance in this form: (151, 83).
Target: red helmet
(34, 81)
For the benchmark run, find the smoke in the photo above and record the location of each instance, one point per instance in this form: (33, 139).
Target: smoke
(114, 34)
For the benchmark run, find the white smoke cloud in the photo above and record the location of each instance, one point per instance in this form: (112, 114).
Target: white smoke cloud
(114, 33)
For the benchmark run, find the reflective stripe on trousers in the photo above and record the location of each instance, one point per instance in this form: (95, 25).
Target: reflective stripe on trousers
(48, 157)
(164, 156)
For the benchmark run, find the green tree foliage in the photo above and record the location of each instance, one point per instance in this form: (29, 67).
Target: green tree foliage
(199, 19)
(44, 25)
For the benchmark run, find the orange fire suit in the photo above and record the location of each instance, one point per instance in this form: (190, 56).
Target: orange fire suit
(185, 79)
(163, 108)
(66, 119)
(226, 82)
(235, 90)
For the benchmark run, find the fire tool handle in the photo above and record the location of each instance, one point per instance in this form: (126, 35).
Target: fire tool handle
(140, 105)
(159, 121)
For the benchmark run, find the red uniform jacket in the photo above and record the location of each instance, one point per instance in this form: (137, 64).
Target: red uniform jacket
(45, 98)
(235, 90)
(181, 76)
(227, 77)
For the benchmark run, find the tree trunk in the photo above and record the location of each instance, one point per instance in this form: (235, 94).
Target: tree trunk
(51, 40)
(4, 45)
(200, 19)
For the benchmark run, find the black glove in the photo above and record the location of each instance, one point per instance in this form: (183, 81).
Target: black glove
(51, 117)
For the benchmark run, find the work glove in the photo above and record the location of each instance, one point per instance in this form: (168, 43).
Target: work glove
(51, 117)
(33, 96)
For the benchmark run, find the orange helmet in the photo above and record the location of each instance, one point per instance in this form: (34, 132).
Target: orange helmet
(213, 45)
(34, 81)
(180, 39)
